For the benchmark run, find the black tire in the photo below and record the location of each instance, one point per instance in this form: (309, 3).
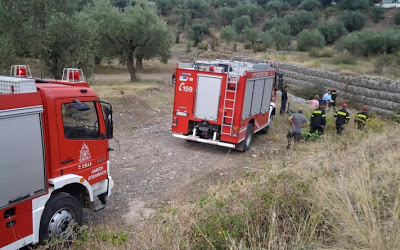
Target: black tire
(249, 137)
(60, 216)
(173, 79)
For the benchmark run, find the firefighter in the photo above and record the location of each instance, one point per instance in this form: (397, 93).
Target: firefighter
(284, 99)
(334, 94)
(342, 118)
(318, 120)
(361, 119)
(297, 122)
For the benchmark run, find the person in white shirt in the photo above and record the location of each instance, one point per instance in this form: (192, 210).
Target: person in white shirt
(328, 98)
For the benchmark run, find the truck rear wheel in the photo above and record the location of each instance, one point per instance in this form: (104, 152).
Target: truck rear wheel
(173, 79)
(249, 137)
(61, 215)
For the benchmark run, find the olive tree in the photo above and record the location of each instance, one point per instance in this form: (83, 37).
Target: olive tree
(126, 32)
(307, 40)
(69, 41)
(228, 33)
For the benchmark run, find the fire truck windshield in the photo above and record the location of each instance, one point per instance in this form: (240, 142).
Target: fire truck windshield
(80, 124)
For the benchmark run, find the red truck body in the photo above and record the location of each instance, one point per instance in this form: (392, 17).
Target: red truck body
(223, 102)
(55, 158)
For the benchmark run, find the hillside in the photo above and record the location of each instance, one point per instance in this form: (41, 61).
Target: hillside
(350, 36)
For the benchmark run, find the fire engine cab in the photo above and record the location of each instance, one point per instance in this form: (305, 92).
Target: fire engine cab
(223, 102)
(54, 155)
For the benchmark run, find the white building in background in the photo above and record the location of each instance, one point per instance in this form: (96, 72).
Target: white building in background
(390, 4)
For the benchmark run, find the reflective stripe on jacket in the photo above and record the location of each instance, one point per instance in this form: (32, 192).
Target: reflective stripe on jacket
(318, 117)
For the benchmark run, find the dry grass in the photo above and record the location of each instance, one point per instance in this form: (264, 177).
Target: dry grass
(338, 192)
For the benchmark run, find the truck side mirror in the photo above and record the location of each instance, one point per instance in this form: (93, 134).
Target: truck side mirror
(108, 121)
(80, 106)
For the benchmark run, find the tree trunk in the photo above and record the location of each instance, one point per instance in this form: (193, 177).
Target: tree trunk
(139, 63)
(131, 67)
(177, 37)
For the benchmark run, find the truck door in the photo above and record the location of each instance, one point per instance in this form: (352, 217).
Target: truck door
(82, 138)
(23, 172)
(208, 94)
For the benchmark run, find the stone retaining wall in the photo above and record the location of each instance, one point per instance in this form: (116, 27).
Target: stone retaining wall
(380, 95)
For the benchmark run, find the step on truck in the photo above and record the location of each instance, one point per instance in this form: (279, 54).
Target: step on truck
(54, 156)
(223, 102)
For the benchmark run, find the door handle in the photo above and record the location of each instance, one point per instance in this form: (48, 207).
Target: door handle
(67, 161)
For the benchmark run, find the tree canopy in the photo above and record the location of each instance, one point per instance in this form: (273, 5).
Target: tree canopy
(126, 32)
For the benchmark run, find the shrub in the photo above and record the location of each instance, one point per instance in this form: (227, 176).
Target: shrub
(331, 11)
(326, 53)
(387, 64)
(278, 24)
(202, 45)
(277, 7)
(316, 64)
(228, 33)
(197, 9)
(196, 32)
(332, 31)
(163, 6)
(326, 2)
(370, 42)
(350, 43)
(294, 3)
(241, 22)
(397, 18)
(259, 48)
(353, 4)
(307, 40)
(314, 53)
(250, 35)
(377, 13)
(226, 14)
(309, 5)
(344, 59)
(276, 38)
(353, 20)
(300, 20)
(247, 46)
(248, 8)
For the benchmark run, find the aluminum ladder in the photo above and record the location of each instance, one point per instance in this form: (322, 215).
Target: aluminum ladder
(230, 101)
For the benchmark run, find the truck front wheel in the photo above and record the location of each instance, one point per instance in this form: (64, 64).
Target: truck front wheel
(60, 216)
(249, 137)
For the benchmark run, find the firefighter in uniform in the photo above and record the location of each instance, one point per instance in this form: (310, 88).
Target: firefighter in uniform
(284, 99)
(334, 94)
(342, 118)
(318, 120)
(361, 119)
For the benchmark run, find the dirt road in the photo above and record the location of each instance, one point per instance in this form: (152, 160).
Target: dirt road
(153, 168)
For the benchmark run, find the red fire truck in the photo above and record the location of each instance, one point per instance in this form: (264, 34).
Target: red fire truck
(223, 102)
(54, 155)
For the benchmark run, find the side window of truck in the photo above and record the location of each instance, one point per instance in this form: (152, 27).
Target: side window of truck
(80, 124)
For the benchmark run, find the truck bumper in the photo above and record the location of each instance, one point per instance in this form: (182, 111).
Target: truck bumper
(209, 141)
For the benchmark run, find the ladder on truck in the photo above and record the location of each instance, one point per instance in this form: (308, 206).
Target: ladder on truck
(232, 81)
